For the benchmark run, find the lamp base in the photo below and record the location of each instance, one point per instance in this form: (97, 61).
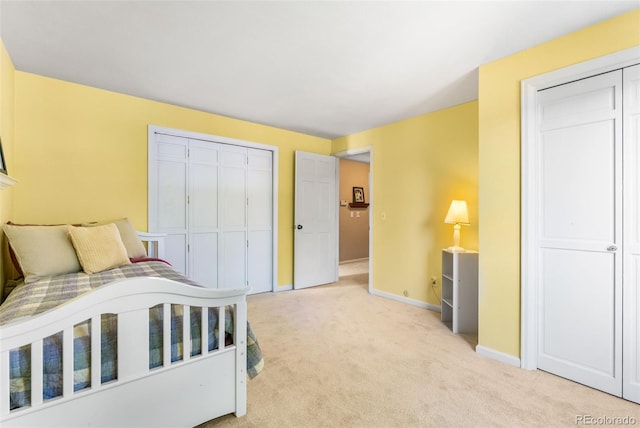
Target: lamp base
(456, 249)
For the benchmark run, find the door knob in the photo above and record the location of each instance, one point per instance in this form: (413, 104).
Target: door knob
(612, 248)
(299, 226)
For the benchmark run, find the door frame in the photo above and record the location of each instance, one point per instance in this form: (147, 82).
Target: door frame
(152, 191)
(359, 151)
(529, 264)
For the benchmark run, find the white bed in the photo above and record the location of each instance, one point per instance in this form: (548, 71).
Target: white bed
(182, 393)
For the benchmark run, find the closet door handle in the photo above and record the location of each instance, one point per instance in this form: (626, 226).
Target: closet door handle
(299, 227)
(612, 248)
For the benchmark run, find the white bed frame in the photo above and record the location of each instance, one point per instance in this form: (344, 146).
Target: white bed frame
(180, 394)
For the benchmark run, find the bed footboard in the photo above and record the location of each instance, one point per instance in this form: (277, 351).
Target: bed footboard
(199, 385)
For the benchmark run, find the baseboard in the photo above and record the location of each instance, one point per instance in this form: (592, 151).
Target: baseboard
(344, 262)
(283, 288)
(407, 300)
(497, 355)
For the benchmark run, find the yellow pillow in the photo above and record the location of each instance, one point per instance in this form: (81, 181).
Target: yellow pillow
(129, 236)
(99, 248)
(42, 251)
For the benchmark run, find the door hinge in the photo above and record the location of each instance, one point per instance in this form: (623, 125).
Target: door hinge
(188, 199)
(188, 248)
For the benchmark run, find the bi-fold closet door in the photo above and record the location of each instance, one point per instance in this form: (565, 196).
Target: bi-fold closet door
(214, 202)
(588, 239)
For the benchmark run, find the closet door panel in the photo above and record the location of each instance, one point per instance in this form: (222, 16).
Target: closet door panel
(203, 198)
(172, 180)
(260, 220)
(233, 266)
(233, 208)
(175, 251)
(171, 211)
(203, 211)
(203, 201)
(204, 259)
(233, 197)
(260, 190)
(260, 272)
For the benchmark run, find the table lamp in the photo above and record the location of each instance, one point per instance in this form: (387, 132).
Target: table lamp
(458, 214)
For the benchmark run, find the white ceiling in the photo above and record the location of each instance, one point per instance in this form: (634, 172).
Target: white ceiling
(325, 68)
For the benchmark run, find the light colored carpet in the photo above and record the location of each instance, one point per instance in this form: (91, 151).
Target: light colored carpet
(336, 356)
(353, 267)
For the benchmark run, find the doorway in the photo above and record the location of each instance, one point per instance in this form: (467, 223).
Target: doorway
(355, 218)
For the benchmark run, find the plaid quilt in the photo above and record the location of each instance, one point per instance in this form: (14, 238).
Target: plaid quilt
(31, 299)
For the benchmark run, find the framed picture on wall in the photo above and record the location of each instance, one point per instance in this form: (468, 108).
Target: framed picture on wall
(3, 165)
(358, 195)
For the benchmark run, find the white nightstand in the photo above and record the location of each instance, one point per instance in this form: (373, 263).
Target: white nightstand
(460, 291)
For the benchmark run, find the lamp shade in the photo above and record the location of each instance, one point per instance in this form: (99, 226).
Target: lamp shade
(458, 213)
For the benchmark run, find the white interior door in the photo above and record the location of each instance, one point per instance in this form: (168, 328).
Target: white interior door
(580, 232)
(316, 220)
(631, 290)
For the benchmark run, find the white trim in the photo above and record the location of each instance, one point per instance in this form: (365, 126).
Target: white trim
(286, 287)
(274, 216)
(153, 129)
(346, 262)
(497, 355)
(529, 126)
(371, 205)
(358, 151)
(210, 137)
(6, 181)
(407, 300)
(336, 216)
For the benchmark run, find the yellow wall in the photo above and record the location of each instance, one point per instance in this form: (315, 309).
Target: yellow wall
(7, 74)
(419, 166)
(81, 154)
(499, 134)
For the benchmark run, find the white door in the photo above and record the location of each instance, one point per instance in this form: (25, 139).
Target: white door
(233, 206)
(316, 220)
(260, 219)
(580, 232)
(631, 290)
(246, 218)
(202, 204)
(168, 170)
(215, 202)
